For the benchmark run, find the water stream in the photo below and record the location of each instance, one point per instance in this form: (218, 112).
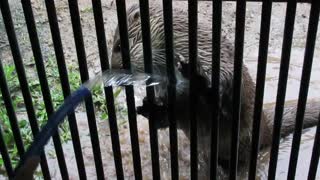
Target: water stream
(124, 78)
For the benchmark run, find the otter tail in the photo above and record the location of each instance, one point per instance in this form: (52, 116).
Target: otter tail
(311, 116)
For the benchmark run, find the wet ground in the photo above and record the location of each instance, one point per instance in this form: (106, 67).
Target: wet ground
(250, 56)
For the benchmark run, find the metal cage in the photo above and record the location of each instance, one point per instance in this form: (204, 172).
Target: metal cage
(168, 20)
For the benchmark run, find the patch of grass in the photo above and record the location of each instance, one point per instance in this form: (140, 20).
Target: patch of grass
(13, 85)
(39, 106)
(87, 10)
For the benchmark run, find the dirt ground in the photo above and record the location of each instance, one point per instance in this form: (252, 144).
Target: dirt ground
(253, 18)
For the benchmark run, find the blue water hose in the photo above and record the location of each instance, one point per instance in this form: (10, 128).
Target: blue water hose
(31, 158)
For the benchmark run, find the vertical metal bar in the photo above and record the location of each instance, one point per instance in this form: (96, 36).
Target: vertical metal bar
(282, 86)
(315, 154)
(6, 14)
(12, 117)
(5, 156)
(97, 10)
(216, 44)
(125, 50)
(237, 81)
(123, 32)
(101, 36)
(33, 35)
(55, 33)
(168, 30)
(78, 37)
(147, 53)
(304, 86)
(9, 107)
(145, 26)
(261, 76)
(193, 55)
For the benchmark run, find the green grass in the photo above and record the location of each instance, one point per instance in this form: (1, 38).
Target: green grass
(57, 100)
(87, 10)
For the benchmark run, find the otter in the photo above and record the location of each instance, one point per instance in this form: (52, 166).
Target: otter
(180, 28)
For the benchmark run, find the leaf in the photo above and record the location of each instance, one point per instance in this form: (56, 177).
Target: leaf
(23, 123)
(104, 116)
(1, 162)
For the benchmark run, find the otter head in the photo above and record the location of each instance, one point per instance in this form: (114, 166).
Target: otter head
(135, 41)
(137, 57)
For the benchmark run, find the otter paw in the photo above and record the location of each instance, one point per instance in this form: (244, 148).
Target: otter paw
(156, 106)
(142, 110)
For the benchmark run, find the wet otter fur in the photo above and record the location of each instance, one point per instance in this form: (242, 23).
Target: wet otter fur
(180, 28)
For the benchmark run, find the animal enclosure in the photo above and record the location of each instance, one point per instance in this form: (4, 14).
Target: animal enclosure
(63, 74)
